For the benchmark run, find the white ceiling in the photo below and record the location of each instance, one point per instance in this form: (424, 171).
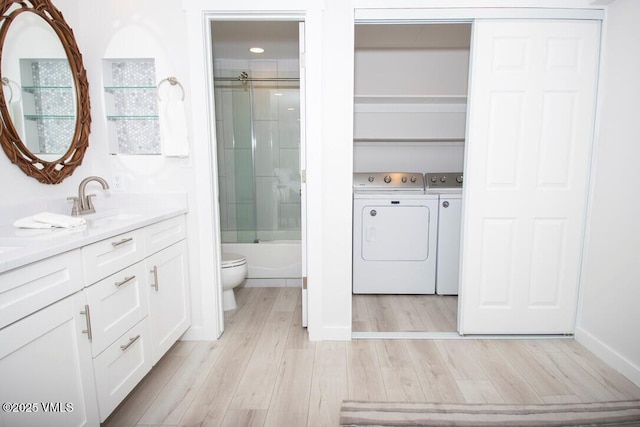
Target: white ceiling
(232, 39)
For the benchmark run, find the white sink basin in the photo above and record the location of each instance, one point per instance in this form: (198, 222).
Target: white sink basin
(113, 218)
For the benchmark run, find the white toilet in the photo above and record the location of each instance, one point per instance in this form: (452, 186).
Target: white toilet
(234, 271)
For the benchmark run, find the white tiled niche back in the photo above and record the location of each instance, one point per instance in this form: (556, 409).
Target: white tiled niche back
(132, 106)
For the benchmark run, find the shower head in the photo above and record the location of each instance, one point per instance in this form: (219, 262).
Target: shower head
(243, 76)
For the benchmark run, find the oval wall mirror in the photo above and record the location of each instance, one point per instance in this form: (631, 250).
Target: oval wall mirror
(44, 94)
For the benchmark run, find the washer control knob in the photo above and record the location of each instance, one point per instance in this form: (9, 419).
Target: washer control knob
(371, 179)
(445, 204)
(373, 212)
(443, 179)
(434, 179)
(413, 178)
(404, 179)
(459, 179)
(387, 179)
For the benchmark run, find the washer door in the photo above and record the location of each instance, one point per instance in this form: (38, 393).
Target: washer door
(395, 233)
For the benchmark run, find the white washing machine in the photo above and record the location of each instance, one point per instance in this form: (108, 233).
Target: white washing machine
(394, 234)
(448, 188)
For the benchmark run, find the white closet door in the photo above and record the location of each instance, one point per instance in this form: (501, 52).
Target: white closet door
(530, 129)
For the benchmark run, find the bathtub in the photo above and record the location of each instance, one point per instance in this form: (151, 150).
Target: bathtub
(270, 263)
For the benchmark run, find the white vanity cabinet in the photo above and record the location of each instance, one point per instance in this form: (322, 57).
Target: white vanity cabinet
(136, 315)
(45, 366)
(167, 267)
(80, 327)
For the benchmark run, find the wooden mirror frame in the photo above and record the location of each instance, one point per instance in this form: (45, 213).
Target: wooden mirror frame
(47, 172)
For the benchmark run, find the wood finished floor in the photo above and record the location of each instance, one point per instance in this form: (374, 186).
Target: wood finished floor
(265, 372)
(404, 313)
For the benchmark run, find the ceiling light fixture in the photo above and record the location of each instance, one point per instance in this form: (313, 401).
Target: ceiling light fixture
(256, 50)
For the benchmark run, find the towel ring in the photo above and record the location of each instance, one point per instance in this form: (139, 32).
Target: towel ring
(173, 81)
(8, 83)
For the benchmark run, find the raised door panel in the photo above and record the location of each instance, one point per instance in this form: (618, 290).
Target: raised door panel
(531, 120)
(169, 310)
(45, 363)
(116, 304)
(122, 366)
(27, 289)
(165, 233)
(103, 258)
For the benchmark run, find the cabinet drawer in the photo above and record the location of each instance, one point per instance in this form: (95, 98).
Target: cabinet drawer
(165, 233)
(105, 257)
(121, 367)
(27, 289)
(116, 304)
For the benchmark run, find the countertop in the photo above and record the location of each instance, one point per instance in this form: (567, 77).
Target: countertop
(21, 246)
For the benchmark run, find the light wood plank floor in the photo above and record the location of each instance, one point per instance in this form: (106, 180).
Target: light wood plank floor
(404, 313)
(265, 372)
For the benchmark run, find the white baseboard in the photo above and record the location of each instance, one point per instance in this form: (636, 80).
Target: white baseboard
(199, 333)
(623, 365)
(273, 283)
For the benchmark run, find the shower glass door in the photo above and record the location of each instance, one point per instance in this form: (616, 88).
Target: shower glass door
(258, 135)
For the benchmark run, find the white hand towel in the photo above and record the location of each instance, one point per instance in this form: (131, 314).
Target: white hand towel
(58, 220)
(173, 128)
(29, 222)
(49, 220)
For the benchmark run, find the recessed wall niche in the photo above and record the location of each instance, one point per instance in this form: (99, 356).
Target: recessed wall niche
(131, 104)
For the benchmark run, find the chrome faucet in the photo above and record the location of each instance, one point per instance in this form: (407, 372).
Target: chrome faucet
(83, 204)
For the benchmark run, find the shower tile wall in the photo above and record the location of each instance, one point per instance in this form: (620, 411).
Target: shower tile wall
(276, 128)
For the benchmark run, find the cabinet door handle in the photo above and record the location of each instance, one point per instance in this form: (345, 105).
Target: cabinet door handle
(125, 281)
(154, 271)
(121, 242)
(87, 315)
(131, 341)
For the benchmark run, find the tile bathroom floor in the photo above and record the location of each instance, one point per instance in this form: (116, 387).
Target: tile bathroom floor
(264, 371)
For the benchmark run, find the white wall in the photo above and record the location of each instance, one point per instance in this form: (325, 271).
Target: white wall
(16, 186)
(609, 320)
(125, 29)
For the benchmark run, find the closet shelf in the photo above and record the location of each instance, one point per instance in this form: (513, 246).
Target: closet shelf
(377, 140)
(410, 99)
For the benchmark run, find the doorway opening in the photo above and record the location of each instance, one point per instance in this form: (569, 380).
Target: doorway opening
(259, 118)
(411, 83)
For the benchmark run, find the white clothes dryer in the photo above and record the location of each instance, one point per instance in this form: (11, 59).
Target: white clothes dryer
(394, 234)
(448, 187)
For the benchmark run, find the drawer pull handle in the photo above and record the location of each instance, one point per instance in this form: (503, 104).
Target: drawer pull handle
(121, 242)
(131, 341)
(87, 315)
(154, 271)
(125, 281)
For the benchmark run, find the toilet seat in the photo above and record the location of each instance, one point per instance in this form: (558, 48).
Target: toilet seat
(233, 260)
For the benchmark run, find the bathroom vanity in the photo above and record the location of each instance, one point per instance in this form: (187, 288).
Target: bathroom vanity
(85, 314)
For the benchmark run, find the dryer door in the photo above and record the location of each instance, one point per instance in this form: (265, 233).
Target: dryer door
(395, 233)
